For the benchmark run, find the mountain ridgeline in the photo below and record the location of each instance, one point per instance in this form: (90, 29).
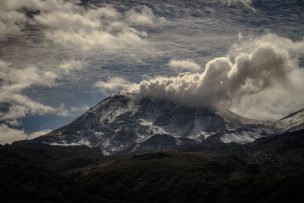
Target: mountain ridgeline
(124, 123)
(131, 149)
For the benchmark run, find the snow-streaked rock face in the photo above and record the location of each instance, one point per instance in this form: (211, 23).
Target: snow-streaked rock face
(292, 122)
(241, 138)
(125, 123)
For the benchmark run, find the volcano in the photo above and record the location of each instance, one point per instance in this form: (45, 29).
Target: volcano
(126, 123)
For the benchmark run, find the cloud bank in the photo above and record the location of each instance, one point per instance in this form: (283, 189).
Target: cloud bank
(13, 82)
(115, 84)
(184, 65)
(10, 135)
(259, 79)
(97, 28)
(13, 18)
(66, 23)
(143, 16)
(246, 3)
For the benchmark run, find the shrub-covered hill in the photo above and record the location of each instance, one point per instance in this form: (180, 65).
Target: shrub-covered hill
(23, 181)
(188, 177)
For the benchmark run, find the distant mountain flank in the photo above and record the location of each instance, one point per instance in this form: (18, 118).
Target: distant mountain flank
(292, 122)
(125, 123)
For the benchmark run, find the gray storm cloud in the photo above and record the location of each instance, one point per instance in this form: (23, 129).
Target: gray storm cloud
(68, 24)
(260, 79)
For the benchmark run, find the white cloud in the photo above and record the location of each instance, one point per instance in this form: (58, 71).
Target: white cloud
(71, 65)
(115, 84)
(102, 28)
(184, 65)
(143, 16)
(15, 80)
(79, 110)
(9, 135)
(12, 18)
(42, 5)
(66, 23)
(246, 3)
(259, 79)
(10, 23)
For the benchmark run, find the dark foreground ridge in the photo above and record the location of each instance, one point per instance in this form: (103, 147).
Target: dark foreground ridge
(188, 177)
(270, 170)
(21, 180)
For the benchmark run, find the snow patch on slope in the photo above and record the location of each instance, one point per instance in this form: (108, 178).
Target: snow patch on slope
(240, 138)
(79, 143)
(292, 122)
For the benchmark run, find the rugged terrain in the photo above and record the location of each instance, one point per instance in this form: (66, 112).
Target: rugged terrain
(126, 123)
(167, 176)
(130, 149)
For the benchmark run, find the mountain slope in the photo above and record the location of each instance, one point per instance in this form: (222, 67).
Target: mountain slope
(167, 176)
(22, 181)
(292, 122)
(125, 120)
(279, 154)
(188, 177)
(56, 158)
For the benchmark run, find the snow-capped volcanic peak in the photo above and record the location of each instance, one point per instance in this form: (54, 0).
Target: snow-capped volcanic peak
(125, 120)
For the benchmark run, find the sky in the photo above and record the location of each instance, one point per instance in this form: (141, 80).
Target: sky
(59, 58)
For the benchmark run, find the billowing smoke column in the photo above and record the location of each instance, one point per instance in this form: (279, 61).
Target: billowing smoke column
(260, 79)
